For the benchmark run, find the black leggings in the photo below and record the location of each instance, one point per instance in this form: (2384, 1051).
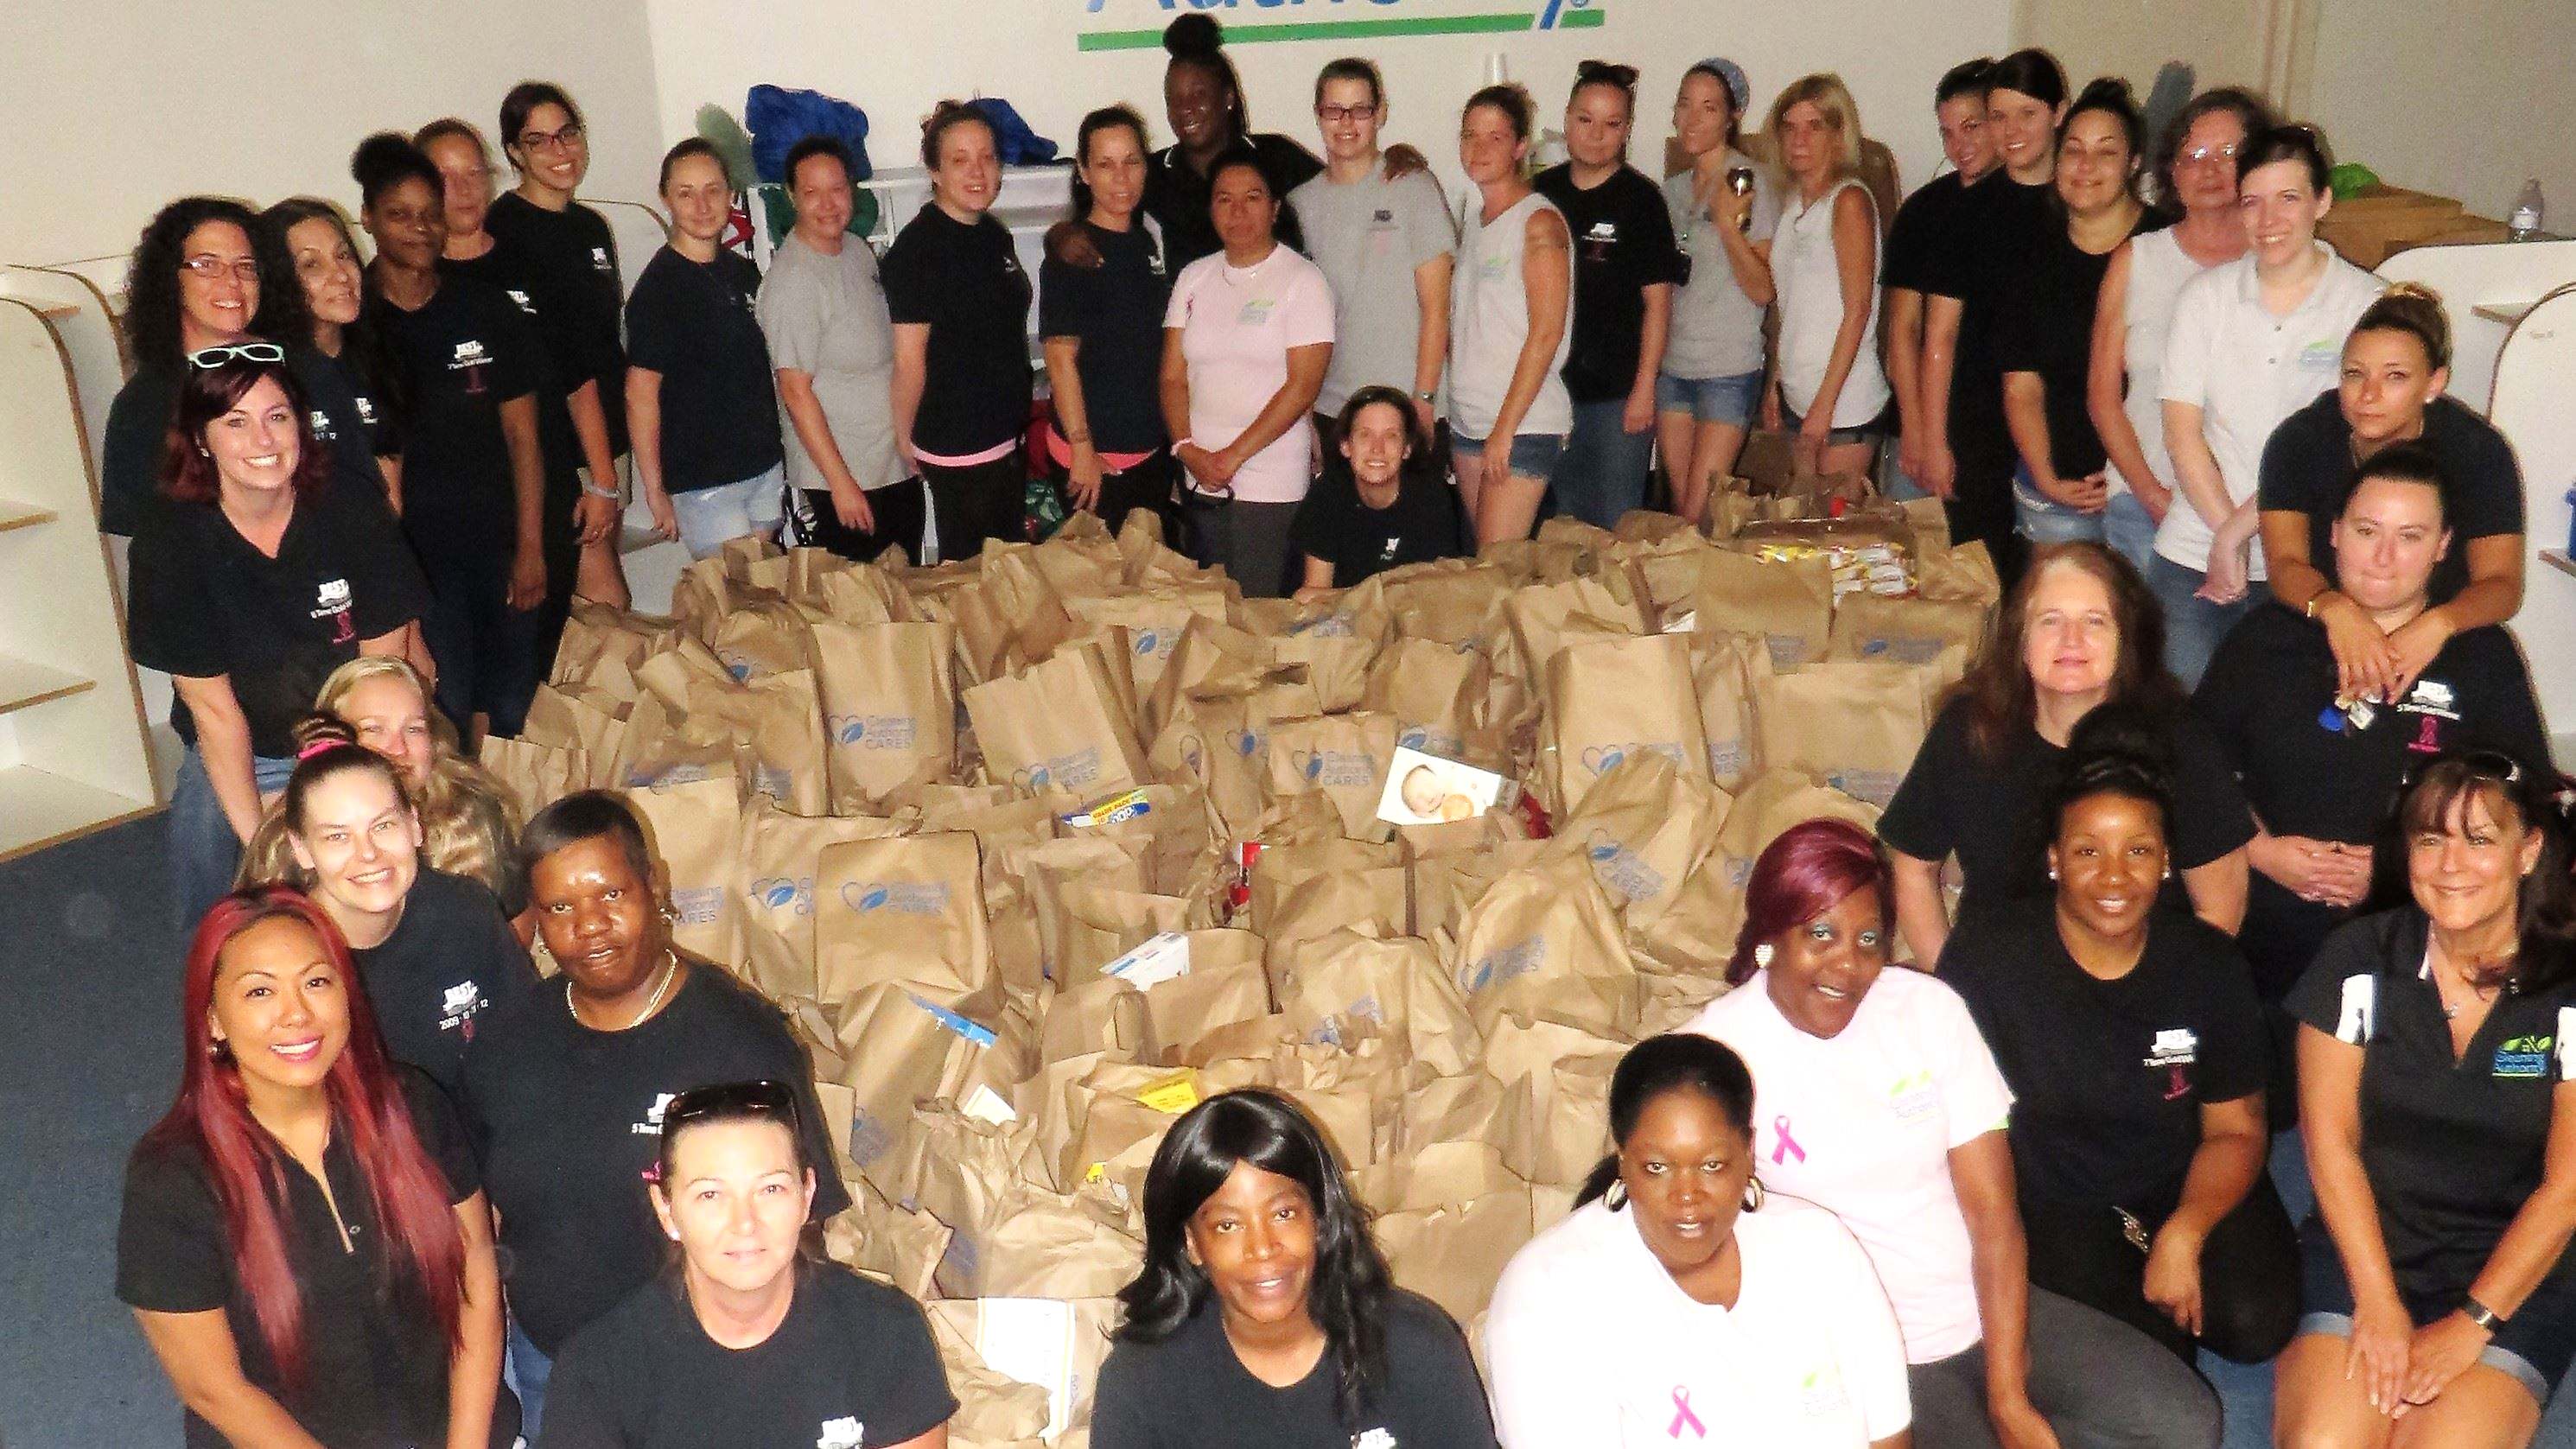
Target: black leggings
(2249, 1273)
(898, 508)
(977, 502)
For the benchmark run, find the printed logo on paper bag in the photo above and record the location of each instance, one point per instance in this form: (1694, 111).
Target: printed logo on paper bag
(1602, 759)
(873, 731)
(904, 898)
(1501, 965)
(1621, 870)
(1332, 768)
(784, 893)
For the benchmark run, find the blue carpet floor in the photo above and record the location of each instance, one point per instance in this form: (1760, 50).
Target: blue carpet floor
(89, 998)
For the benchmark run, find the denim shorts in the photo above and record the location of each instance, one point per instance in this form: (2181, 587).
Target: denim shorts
(711, 516)
(2043, 520)
(1790, 423)
(2534, 1346)
(1710, 399)
(1534, 455)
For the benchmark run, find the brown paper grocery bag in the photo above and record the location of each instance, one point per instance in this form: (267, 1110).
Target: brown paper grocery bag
(781, 852)
(907, 910)
(889, 694)
(1725, 669)
(1853, 725)
(761, 640)
(884, 1238)
(1770, 804)
(695, 828)
(1344, 757)
(899, 1049)
(1058, 724)
(1433, 691)
(1791, 605)
(1545, 940)
(1056, 1345)
(1539, 613)
(1907, 631)
(1612, 699)
(1644, 827)
(536, 775)
(1345, 984)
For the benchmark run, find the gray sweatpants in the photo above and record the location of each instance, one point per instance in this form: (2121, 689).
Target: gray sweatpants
(2100, 1383)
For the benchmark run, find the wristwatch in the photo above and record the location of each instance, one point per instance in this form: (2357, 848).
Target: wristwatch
(2480, 1314)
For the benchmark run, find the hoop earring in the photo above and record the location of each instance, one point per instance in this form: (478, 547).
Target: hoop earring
(1616, 1197)
(1753, 1194)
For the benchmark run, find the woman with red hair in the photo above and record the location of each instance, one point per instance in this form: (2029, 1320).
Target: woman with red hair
(1876, 1099)
(304, 1238)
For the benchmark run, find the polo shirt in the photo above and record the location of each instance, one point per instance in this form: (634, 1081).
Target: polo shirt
(1369, 236)
(1593, 1343)
(2307, 467)
(1237, 325)
(2246, 370)
(1623, 244)
(964, 281)
(1863, 1123)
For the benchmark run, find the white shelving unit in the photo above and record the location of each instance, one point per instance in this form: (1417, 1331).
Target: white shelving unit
(73, 756)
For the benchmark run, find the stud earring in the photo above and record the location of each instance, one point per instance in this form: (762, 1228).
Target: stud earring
(1762, 955)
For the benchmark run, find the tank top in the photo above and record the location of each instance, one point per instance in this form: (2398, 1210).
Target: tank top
(1489, 320)
(1811, 312)
(2158, 266)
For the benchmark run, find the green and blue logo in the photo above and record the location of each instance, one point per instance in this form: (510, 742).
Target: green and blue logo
(1253, 21)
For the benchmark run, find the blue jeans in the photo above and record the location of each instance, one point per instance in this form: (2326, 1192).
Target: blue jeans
(528, 1371)
(2043, 520)
(1602, 476)
(2193, 625)
(711, 517)
(204, 852)
(2130, 532)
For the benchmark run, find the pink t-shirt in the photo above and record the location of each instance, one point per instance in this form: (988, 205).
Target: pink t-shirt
(1237, 324)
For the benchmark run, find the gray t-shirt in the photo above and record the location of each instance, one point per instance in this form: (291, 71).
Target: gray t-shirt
(1717, 330)
(826, 317)
(1368, 237)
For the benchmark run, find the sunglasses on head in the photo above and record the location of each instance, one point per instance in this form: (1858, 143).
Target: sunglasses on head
(239, 351)
(2493, 765)
(772, 1100)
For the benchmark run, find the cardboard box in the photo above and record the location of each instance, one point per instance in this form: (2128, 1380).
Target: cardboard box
(2378, 221)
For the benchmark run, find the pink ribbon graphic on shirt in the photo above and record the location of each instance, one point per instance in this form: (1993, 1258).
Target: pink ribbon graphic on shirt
(1787, 1144)
(1682, 1415)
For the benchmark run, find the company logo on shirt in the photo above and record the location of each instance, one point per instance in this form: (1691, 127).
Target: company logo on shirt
(322, 427)
(366, 410)
(1821, 1391)
(1386, 554)
(1914, 1095)
(522, 299)
(2525, 1058)
(1257, 312)
(2175, 1046)
(651, 1126)
(470, 359)
(841, 1434)
(2430, 696)
(599, 261)
(331, 600)
(1373, 1439)
(1599, 240)
(458, 1006)
(2320, 357)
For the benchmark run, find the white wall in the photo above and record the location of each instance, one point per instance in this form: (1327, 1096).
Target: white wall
(112, 107)
(895, 61)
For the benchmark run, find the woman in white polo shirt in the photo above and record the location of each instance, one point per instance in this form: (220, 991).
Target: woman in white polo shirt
(1682, 1297)
(1247, 338)
(2253, 341)
(1880, 1102)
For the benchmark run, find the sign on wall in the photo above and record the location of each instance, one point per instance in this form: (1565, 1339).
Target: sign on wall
(1138, 24)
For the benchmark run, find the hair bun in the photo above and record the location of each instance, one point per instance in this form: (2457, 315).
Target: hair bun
(381, 155)
(314, 730)
(2107, 89)
(1194, 36)
(1605, 72)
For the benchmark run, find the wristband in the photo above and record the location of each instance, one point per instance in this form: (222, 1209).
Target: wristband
(1179, 443)
(596, 492)
(2480, 1314)
(1432, 396)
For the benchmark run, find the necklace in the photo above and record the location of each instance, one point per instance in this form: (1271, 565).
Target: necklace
(2481, 993)
(670, 971)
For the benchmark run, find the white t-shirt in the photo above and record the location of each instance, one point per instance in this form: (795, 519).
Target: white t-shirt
(1236, 325)
(2247, 370)
(1863, 1123)
(2158, 267)
(1592, 1344)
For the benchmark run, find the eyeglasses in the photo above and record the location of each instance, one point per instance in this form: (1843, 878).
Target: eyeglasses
(2199, 155)
(1335, 115)
(211, 267)
(239, 351)
(563, 140)
(771, 1099)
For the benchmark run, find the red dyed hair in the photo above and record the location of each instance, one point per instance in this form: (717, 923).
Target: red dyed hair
(1811, 868)
(417, 1226)
(207, 393)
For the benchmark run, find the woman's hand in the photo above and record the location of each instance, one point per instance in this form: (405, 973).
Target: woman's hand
(527, 575)
(1402, 161)
(1771, 407)
(2365, 660)
(1728, 209)
(1070, 242)
(595, 517)
(850, 506)
(1807, 451)
(1495, 464)
(2442, 1350)
(1082, 482)
(1940, 475)
(666, 518)
(2018, 1424)
(1639, 415)
(2328, 872)
(1223, 464)
(2230, 567)
(2413, 648)
(1200, 465)
(2382, 1342)
(2154, 497)
(2173, 1277)
(2088, 494)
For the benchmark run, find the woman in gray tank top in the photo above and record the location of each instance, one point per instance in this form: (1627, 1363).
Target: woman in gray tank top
(1511, 298)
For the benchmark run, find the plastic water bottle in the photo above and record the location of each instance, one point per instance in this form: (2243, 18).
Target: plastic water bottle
(2524, 224)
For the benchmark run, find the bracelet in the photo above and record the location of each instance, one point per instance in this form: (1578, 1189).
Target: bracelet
(1079, 440)
(2480, 1314)
(1180, 443)
(1431, 396)
(2315, 599)
(594, 491)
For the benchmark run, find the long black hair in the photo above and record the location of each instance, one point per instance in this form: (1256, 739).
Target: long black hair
(2545, 915)
(1673, 1062)
(1347, 1297)
(152, 281)
(364, 347)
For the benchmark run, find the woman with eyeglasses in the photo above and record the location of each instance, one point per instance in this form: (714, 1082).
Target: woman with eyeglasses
(1264, 1317)
(565, 1089)
(960, 302)
(567, 259)
(1247, 339)
(1877, 1100)
(2437, 1092)
(2195, 175)
(746, 1340)
(304, 1239)
(475, 507)
(2320, 759)
(253, 579)
(1711, 382)
(1682, 1295)
(1102, 331)
(208, 273)
(1511, 299)
(2252, 342)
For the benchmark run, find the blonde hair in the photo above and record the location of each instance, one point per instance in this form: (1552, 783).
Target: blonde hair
(1827, 93)
(469, 820)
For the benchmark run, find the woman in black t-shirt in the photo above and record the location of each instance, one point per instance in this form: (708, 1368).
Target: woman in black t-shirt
(2044, 326)
(2079, 630)
(1383, 505)
(746, 1341)
(474, 484)
(253, 578)
(1102, 328)
(1211, 122)
(1264, 1317)
(565, 1088)
(960, 301)
(567, 257)
(2396, 364)
(304, 1240)
(344, 339)
(432, 949)
(1626, 265)
(2437, 1093)
(698, 400)
(2136, 1053)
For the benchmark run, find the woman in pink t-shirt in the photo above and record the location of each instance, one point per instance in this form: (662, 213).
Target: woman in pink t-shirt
(1246, 341)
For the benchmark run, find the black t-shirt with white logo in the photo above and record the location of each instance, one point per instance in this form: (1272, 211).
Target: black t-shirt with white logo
(136, 441)
(451, 958)
(1190, 1391)
(204, 602)
(692, 322)
(2453, 1145)
(566, 1119)
(1623, 244)
(2310, 768)
(567, 262)
(2308, 467)
(466, 351)
(1336, 525)
(967, 284)
(851, 1365)
(2108, 1077)
(1115, 310)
